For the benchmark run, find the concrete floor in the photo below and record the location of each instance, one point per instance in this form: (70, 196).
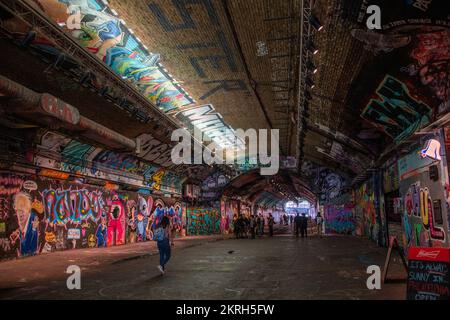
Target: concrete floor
(282, 267)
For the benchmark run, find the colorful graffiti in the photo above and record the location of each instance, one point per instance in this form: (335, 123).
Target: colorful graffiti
(84, 159)
(366, 216)
(146, 75)
(125, 163)
(42, 215)
(419, 221)
(215, 181)
(116, 221)
(28, 220)
(142, 222)
(339, 219)
(229, 209)
(63, 206)
(102, 33)
(397, 114)
(174, 213)
(430, 66)
(326, 182)
(203, 221)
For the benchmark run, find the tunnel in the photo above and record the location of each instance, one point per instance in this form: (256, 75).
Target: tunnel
(224, 149)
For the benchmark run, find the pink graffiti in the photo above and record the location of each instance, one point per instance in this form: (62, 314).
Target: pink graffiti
(4, 208)
(10, 185)
(116, 223)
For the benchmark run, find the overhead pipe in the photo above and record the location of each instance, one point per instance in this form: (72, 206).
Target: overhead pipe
(29, 102)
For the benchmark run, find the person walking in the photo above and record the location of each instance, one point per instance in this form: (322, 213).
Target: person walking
(253, 226)
(304, 226)
(258, 225)
(261, 226)
(319, 221)
(162, 237)
(297, 224)
(236, 226)
(270, 222)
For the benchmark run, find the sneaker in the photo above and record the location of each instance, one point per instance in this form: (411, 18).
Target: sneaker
(161, 269)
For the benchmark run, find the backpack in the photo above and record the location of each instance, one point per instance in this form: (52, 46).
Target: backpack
(158, 234)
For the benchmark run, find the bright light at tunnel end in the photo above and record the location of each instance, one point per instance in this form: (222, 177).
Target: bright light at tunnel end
(231, 147)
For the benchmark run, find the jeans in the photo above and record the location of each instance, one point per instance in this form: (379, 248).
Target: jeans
(164, 252)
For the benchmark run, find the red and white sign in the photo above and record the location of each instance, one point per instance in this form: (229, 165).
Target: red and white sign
(429, 254)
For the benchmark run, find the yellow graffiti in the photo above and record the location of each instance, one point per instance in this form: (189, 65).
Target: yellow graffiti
(38, 206)
(425, 202)
(157, 179)
(50, 237)
(92, 241)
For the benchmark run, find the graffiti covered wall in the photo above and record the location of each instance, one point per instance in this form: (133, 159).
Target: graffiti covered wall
(150, 168)
(229, 210)
(422, 186)
(326, 182)
(339, 219)
(42, 215)
(97, 29)
(364, 211)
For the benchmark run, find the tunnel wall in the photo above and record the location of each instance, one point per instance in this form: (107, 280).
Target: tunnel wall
(41, 215)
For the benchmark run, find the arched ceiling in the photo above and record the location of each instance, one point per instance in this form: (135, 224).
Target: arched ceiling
(280, 188)
(242, 57)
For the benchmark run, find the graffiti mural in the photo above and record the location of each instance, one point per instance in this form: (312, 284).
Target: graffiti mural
(419, 35)
(174, 213)
(41, 215)
(28, 220)
(229, 210)
(102, 33)
(203, 221)
(64, 206)
(116, 221)
(339, 219)
(144, 209)
(83, 159)
(326, 182)
(365, 213)
(213, 185)
(396, 112)
(423, 177)
(419, 220)
(430, 62)
(146, 75)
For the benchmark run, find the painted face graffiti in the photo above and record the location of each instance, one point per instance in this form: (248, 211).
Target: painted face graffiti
(22, 207)
(28, 221)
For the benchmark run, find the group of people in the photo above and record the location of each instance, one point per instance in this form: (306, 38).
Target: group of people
(301, 224)
(252, 226)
